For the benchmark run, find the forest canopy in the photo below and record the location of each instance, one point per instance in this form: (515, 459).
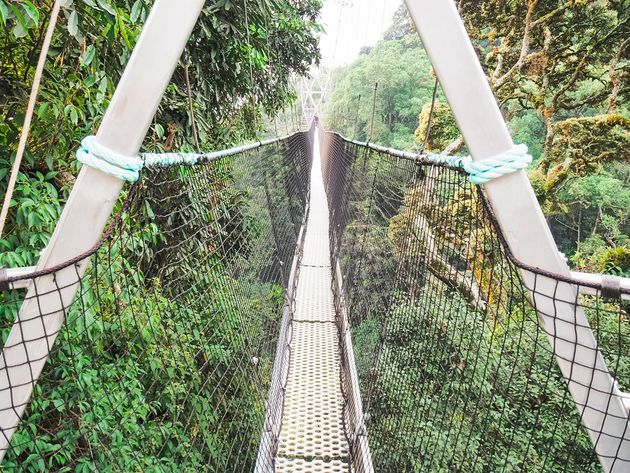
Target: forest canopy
(134, 355)
(237, 74)
(559, 71)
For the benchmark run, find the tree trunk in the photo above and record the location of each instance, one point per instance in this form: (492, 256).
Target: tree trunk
(439, 266)
(615, 80)
(547, 114)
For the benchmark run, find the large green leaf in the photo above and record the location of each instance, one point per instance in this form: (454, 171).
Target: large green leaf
(73, 23)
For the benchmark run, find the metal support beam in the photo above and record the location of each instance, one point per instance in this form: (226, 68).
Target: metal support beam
(89, 206)
(594, 391)
(598, 280)
(16, 273)
(313, 93)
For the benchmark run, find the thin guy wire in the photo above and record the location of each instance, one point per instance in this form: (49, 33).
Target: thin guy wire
(37, 78)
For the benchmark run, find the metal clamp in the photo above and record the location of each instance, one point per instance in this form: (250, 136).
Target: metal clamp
(611, 287)
(4, 280)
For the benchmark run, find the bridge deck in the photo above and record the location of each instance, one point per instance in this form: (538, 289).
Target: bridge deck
(312, 437)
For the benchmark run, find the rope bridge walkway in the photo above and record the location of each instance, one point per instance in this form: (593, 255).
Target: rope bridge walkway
(309, 304)
(312, 436)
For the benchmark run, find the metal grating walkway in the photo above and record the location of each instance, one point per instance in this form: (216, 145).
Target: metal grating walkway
(312, 436)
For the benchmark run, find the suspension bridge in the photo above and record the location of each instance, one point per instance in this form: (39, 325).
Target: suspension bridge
(310, 302)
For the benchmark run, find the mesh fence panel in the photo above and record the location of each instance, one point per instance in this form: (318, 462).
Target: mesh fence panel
(164, 360)
(455, 366)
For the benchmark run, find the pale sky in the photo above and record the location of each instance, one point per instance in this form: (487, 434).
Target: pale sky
(351, 24)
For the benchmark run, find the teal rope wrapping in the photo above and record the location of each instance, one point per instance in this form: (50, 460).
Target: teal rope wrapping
(152, 160)
(508, 162)
(480, 172)
(450, 161)
(127, 168)
(93, 154)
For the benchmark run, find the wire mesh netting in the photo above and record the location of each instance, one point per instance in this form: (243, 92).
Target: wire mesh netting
(164, 359)
(455, 366)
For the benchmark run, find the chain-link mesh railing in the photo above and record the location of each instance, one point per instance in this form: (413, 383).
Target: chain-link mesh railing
(164, 359)
(452, 335)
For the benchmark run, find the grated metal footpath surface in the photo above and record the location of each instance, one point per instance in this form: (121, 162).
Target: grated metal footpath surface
(312, 437)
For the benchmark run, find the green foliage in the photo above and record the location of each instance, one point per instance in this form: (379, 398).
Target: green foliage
(401, 70)
(130, 341)
(443, 131)
(583, 186)
(402, 25)
(153, 369)
(561, 58)
(528, 127)
(82, 396)
(37, 210)
(595, 255)
(234, 78)
(19, 16)
(616, 261)
(583, 146)
(456, 371)
(454, 364)
(571, 110)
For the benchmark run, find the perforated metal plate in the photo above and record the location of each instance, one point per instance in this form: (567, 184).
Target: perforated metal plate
(312, 437)
(299, 465)
(318, 221)
(312, 424)
(316, 250)
(314, 296)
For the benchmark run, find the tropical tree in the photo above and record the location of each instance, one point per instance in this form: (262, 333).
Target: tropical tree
(377, 98)
(236, 67)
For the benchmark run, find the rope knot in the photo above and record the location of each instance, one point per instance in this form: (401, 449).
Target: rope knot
(508, 162)
(93, 154)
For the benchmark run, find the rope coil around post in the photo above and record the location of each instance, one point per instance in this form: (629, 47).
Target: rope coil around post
(481, 172)
(94, 154)
(508, 162)
(127, 168)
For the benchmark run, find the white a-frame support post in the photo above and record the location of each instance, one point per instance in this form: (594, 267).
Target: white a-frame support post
(523, 224)
(89, 206)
